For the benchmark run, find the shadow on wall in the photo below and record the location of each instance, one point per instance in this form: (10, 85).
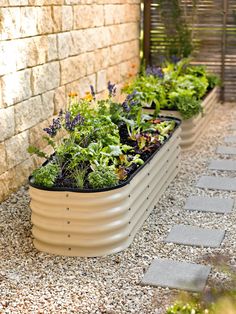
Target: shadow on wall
(29, 78)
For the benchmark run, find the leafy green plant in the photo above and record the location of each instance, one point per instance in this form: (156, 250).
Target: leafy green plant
(225, 304)
(102, 177)
(35, 150)
(172, 70)
(149, 91)
(193, 83)
(186, 103)
(196, 70)
(213, 80)
(46, 175)
(165, 127)
(177, 86)
(185, 308)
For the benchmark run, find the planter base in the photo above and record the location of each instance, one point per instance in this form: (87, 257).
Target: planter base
(101, 223)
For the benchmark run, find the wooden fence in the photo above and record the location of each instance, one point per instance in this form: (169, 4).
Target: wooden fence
(213, 27)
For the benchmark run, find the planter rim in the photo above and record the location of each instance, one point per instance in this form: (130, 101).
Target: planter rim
(78, 190)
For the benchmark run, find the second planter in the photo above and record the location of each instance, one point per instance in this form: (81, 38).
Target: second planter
(193, 128)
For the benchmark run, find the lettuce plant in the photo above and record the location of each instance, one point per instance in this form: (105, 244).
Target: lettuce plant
(149, 91)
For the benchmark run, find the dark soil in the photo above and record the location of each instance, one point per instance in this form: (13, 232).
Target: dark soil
(65, 180)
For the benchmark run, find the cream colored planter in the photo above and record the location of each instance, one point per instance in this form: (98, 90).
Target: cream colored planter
(193, 128)
(101, 223)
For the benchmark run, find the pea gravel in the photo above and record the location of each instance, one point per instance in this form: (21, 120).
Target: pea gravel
(36, 282)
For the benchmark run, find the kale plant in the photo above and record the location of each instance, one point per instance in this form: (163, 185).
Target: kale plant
(102, 177)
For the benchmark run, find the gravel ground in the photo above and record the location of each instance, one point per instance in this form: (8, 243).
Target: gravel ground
(35, 282)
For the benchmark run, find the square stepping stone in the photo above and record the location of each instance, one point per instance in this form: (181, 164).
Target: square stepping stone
(230, 139)
(227, 150)
(178, 275)
(190, 235)
(209, 204)
(224, 165)
(217, 183)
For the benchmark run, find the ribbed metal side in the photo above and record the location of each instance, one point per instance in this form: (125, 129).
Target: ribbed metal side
(101, 223)
(193, 128)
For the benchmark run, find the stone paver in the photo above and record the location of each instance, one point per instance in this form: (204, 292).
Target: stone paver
(224, 165)
(217, 183)
(209, 204)
(230, 139)
(227, 150)
(174, 274)
(191, 235)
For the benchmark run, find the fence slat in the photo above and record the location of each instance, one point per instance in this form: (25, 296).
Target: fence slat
(214, 37)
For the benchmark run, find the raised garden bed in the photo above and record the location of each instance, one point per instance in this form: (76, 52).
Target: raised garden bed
(194, 127)
(104, 222)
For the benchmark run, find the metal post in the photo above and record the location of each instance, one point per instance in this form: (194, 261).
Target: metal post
(224, 25)
(147, 31)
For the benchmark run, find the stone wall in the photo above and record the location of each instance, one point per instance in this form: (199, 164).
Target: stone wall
(49, 48)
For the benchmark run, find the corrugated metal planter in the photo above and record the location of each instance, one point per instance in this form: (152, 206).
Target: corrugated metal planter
(100, 223)
(193, 128)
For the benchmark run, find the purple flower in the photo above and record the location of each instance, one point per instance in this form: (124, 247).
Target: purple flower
(175, 59)
(133, 103)
(111, 89)
(132, 95)
(67, 120)
(155, 71)
(53, 128)
(70, 124)
(92, 91)
(125, 106)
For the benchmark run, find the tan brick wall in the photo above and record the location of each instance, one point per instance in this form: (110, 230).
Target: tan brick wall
(49, 48)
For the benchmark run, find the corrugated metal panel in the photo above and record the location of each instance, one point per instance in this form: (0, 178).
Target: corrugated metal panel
(96, 224)
(208, 33)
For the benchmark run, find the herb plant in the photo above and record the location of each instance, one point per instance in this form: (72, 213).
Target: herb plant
(46, 175)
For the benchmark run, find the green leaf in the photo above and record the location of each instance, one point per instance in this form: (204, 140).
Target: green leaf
(34, 150)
